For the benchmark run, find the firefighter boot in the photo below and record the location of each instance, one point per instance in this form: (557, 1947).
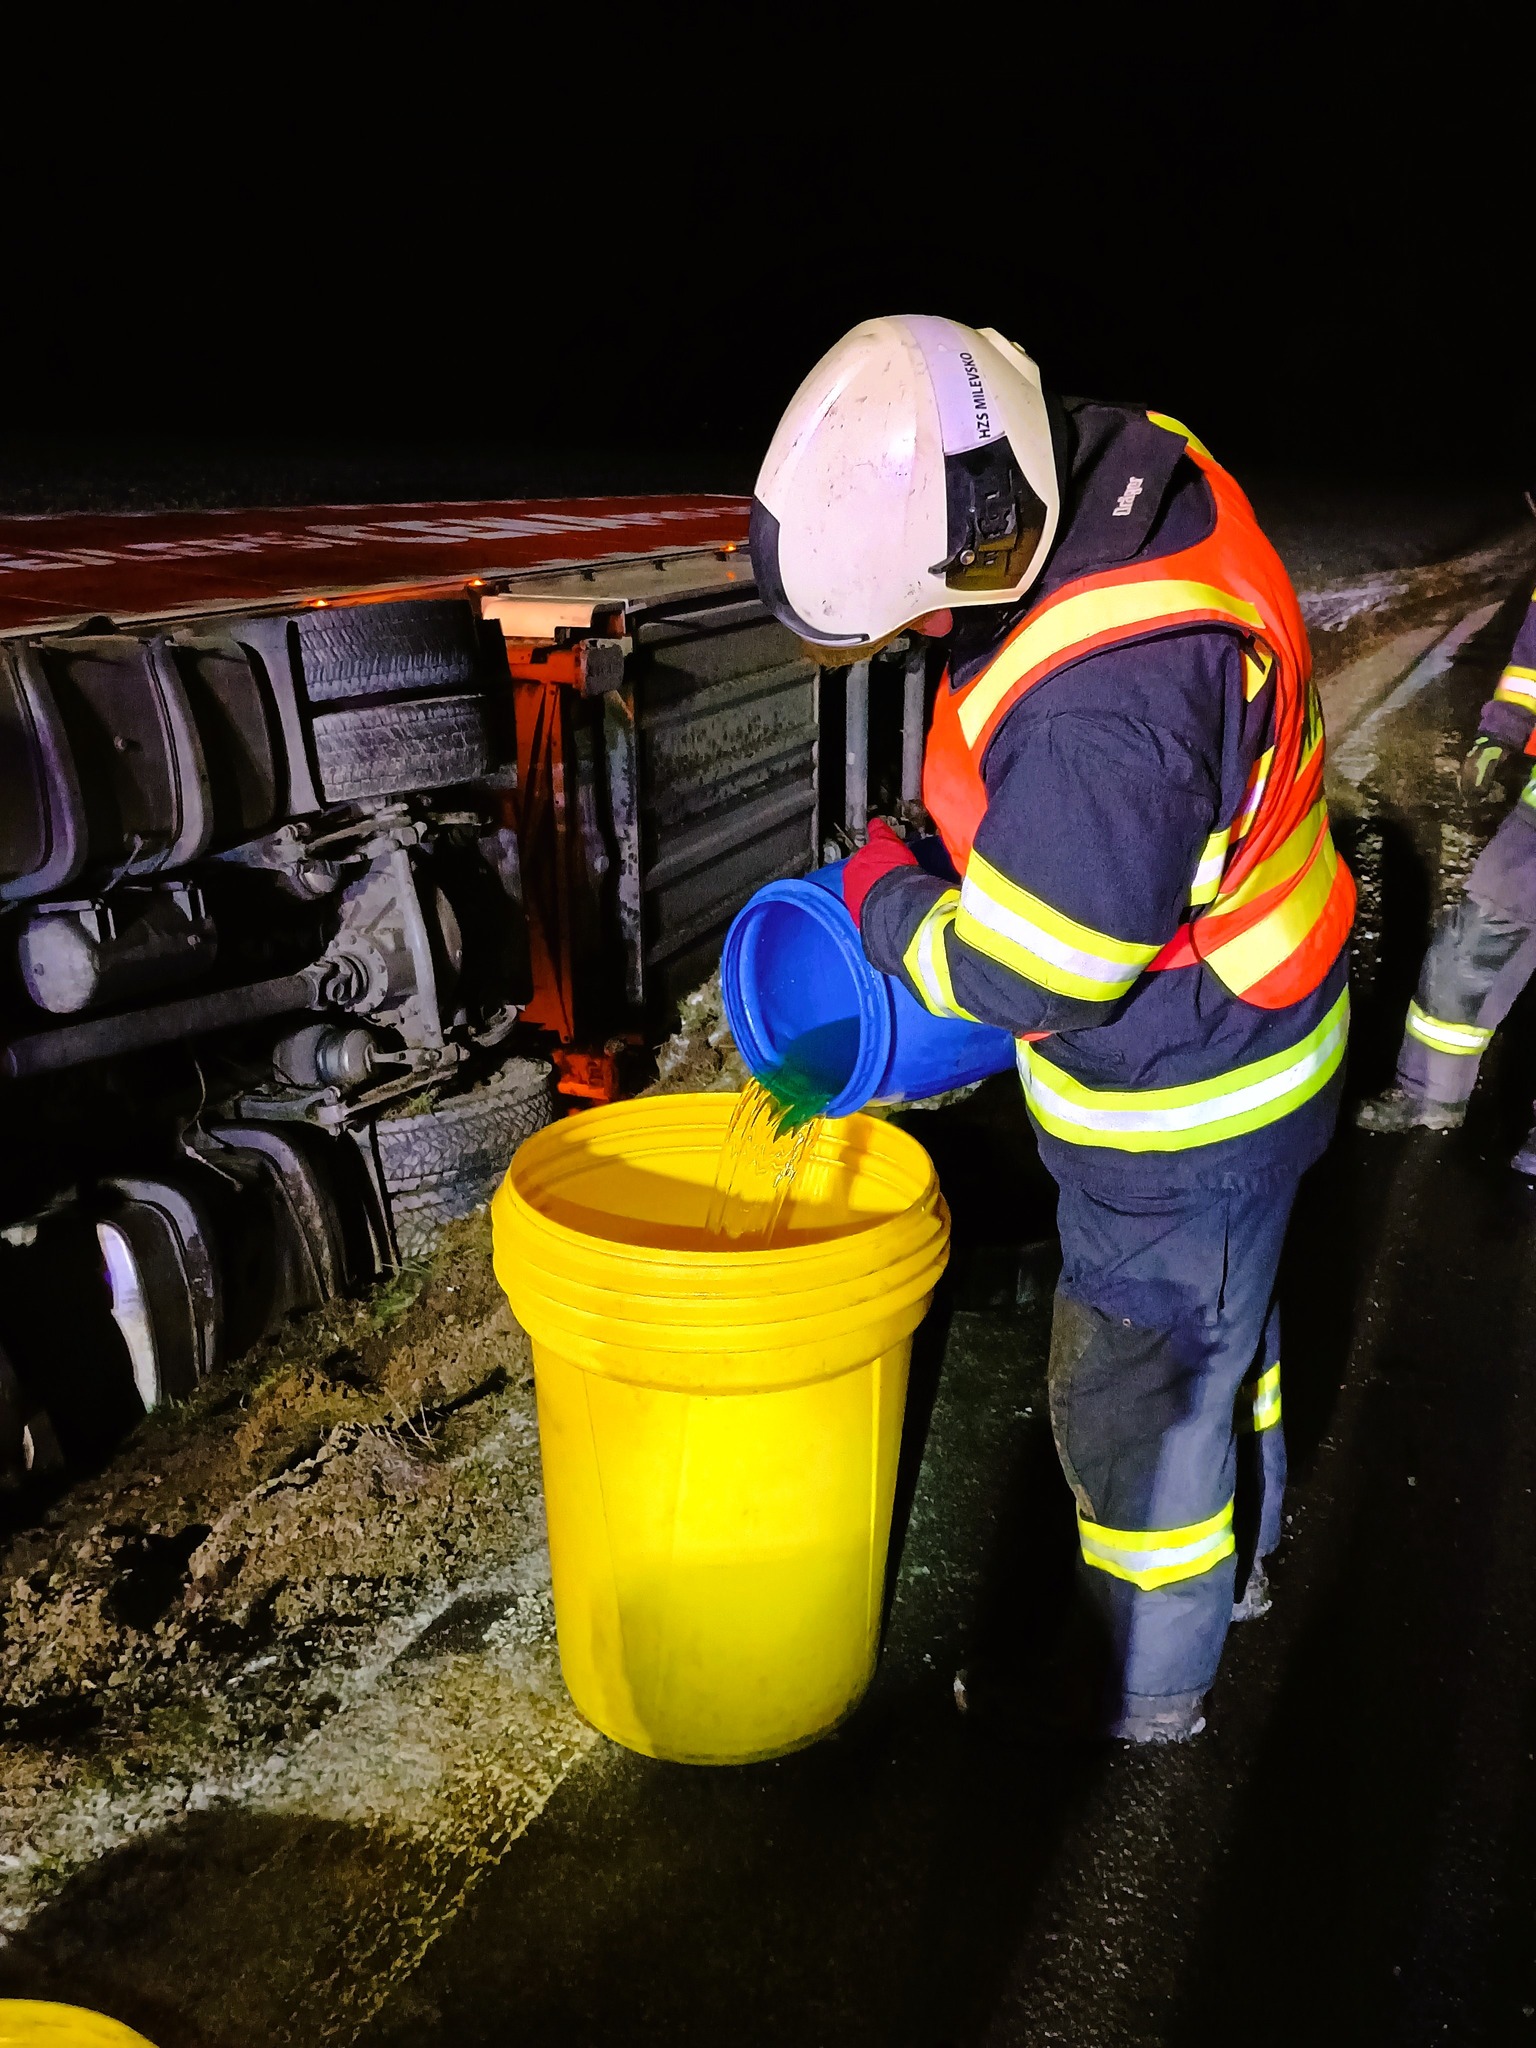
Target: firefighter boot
(1169, 1717)
(1396, 1110)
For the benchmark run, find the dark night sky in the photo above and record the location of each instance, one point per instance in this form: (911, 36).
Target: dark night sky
(1316, 256)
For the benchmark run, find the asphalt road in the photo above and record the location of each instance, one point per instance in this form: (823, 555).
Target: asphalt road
(1348, 1854)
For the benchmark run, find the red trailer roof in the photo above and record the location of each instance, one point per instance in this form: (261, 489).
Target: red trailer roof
(64, 566)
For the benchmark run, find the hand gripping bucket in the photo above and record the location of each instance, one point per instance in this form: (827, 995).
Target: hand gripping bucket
(719, 1428)
(801, 997)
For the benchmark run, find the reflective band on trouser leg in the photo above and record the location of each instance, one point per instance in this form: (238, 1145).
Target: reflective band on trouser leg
(1441, 1035)
(1517, 686)
(927, 959)
(1260, 1401)
(1022, 933)
(1528, 794)
(1200, 1113)
(1149, 1558)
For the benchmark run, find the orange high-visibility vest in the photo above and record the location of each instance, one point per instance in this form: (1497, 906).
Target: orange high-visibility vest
(1271, 902)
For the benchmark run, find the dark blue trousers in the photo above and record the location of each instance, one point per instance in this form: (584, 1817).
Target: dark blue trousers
(1164, 1390)
(1481, 956)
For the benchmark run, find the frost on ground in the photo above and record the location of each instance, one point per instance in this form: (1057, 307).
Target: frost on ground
(1331, 610)
(700, 1057)
(316, 1596)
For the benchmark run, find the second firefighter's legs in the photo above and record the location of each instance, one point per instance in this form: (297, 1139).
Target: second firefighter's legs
(1158, 1343)
(1482, 954)
(1462, 996)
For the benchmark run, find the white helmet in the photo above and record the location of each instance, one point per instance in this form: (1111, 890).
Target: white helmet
(912, 472)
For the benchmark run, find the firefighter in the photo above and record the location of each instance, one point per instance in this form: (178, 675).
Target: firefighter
(1484, 948)
(1125, 764)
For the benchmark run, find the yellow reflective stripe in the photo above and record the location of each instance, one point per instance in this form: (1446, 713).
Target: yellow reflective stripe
(1201, 1112)
(1518, 686)
(1173, 426)
(1023, 933)
(1258, 667)
(1120, 608)
(927, 959)
(1149, 1558)
(1441, 1035)
(1266, 1398)
(1213, 859)
(1314, 717)
(1246, 958)
(1260, 1401)
(1258, 783)
(1312, 742)
(1288, 858)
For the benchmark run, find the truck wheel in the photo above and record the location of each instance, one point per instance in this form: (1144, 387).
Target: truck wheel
(426, 743)
(377, 650)
(445, 1161)
(164, 1275)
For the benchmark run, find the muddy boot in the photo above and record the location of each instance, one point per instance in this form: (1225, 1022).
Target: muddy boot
(1397, 1110)
(1255, 1600)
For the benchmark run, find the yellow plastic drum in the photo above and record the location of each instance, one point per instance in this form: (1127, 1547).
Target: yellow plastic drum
(719, 1427)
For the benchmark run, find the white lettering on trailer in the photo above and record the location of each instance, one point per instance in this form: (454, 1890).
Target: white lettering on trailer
(325, 536)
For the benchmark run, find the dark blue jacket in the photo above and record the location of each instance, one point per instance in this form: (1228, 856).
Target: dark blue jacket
(1103, 785)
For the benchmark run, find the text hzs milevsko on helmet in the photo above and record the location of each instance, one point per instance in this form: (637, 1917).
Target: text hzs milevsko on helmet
(913, 472)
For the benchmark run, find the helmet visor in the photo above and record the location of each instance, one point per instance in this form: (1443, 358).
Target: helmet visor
(763, 545)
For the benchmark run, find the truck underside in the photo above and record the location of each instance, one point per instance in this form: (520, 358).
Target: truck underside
(315, 900)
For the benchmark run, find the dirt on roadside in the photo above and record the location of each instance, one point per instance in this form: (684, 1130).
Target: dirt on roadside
(701, 1055)
(198, 1604)
(1353, 618)
(185, 1605)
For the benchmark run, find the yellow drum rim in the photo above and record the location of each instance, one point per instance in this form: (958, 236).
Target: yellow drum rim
(40, 2023)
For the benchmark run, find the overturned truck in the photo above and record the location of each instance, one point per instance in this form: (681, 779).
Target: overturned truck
(339, 849)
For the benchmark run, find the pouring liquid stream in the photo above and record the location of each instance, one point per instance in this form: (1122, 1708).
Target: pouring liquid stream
(770, 1132)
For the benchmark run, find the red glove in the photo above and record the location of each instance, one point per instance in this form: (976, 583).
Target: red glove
(882, 853)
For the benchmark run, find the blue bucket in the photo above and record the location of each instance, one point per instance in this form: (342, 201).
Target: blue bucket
(800, 996)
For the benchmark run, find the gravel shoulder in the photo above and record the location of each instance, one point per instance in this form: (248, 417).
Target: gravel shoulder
(290, 1653)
